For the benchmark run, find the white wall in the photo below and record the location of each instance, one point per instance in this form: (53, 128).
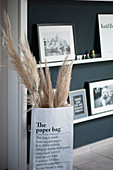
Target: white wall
(13, 133)
(17, 133)
(3, 102)
(13, 96)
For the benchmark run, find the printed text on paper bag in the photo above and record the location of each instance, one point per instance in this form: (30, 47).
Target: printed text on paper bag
(48, 147)
(41, 128)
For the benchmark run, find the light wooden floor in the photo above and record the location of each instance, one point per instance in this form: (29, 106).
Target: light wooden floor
(98, 159)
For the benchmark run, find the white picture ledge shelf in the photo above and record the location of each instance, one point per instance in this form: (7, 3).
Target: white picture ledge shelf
(100, 115)
(84, 61)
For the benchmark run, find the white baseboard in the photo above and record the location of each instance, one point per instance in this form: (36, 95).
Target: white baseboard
(93, 146)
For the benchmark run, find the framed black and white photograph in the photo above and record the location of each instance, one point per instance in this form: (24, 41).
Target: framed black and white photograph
(56, 42)
(77, 99)
(101, 96)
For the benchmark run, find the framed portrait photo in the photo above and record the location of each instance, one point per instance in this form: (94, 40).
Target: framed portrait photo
(77, 99)
(56, 42)
(100, 96)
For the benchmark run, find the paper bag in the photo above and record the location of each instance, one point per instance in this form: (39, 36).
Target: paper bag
(51, 143)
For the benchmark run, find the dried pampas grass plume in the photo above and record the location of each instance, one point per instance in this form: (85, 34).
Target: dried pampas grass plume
(25, 65)
(41, 94)
(63, 85)
(49, 87)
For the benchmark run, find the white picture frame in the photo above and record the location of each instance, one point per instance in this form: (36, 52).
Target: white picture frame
(77, 99)
(56, 42)
(106, 34)
(101, 96)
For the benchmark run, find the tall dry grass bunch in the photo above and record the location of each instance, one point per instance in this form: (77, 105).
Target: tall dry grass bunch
(39, 85)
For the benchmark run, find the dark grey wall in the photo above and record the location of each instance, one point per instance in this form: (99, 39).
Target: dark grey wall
(84, 16)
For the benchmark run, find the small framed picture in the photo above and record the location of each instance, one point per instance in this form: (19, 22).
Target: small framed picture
(100, 96)
(78, 101)
(56, 42)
